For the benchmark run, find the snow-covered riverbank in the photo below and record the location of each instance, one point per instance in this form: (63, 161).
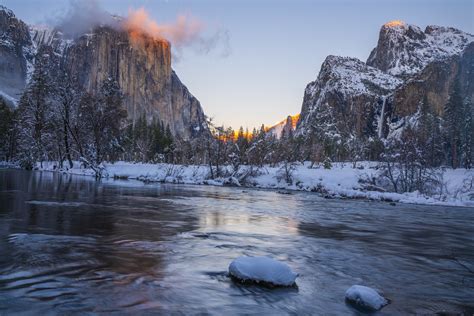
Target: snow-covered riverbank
(341, 181)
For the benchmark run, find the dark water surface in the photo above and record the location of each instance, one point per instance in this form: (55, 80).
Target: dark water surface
(69, 244)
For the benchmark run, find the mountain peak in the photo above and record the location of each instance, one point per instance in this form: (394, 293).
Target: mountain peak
(6, 11)
(395, 24)
(404, 49)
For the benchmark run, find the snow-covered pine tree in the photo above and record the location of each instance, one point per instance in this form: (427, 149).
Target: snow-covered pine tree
(429, 136)
(35, 115)
(453, 115)
(66, 95)
(467, 135)
(102, 116)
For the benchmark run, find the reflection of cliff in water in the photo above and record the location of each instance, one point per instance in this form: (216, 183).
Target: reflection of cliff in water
(57, 219)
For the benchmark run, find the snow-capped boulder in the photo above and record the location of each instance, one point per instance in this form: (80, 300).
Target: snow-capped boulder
(365, 297)
(262, 270)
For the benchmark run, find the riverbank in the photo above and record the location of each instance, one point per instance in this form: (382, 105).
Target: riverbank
(343, 180)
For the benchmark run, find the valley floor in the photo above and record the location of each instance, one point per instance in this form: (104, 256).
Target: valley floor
(341, 181)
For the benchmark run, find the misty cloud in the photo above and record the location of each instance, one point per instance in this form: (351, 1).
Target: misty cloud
(185, 32)
(82, 16)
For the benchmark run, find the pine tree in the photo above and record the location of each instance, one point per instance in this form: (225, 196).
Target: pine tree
(7, 131)
(453, 126)
(65, 110)
(467, 135)
(103, 116)
(34, 115)
(429, 135)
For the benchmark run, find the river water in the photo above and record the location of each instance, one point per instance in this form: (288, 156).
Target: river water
(70, 244)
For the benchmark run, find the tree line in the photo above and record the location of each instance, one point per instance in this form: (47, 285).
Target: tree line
(57, 120)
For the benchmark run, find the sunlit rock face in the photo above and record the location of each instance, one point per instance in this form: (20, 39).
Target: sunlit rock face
(143, 71)
(285, 126)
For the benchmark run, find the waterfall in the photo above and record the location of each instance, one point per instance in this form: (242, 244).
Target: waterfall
(382, 113)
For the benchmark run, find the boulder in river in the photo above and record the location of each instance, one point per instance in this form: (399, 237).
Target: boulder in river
(365, 297)
(263, 270)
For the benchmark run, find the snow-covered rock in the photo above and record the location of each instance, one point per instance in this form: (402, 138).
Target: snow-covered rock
(287, 125)
(345, 99)
(349, 75)
(404, 49)
(365, 297)
(262, 270)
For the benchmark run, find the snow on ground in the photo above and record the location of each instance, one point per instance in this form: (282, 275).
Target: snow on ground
(262, 269)
(365, 297)
(341, 181)
(9, 164)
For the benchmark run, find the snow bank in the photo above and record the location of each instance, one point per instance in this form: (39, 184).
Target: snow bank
(262, 269)
(341, 181)
(365, 297)
(9, 165)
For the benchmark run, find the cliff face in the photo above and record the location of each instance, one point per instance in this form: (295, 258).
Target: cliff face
(143, 72)
(16, 56)
(142, 68)
(140, 64)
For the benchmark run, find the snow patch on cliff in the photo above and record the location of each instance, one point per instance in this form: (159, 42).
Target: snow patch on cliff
(348, 75)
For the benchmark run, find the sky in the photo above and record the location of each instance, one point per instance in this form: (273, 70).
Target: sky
(257, 72)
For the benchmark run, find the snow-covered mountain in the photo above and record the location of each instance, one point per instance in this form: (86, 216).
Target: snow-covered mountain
(403, 49)
(345, 98)
(140, 64)
(351, 99)
(284, 126)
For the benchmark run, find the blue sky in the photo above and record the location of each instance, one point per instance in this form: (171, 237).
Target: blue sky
(276, 47)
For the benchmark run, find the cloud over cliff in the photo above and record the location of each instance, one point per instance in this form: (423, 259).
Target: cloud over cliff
(185, 32)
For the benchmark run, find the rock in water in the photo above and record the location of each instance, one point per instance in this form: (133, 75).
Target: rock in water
(262, 270)
(365, 297)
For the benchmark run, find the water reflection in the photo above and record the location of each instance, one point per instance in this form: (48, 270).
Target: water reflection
(72, 244)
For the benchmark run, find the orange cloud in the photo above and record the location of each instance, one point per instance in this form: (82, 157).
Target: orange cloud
(181, 33)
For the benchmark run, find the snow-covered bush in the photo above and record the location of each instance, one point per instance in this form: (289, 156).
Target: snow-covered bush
(327, 163)
(286, 172)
